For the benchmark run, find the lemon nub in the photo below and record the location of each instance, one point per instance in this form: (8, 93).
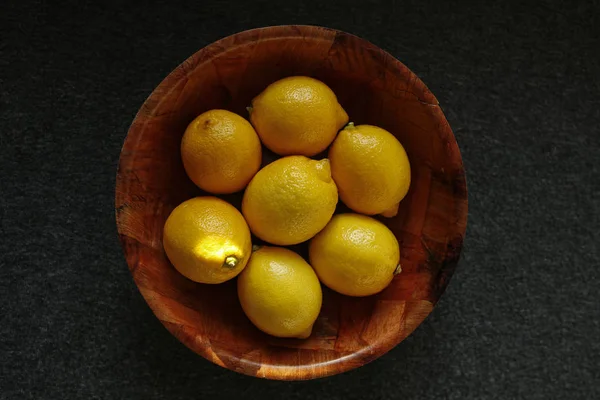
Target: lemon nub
(324, 170)
(391, 212)
(230, 262)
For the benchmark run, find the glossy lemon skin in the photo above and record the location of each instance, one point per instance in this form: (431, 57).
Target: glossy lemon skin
(280, 293)
(370, 168)
(207, 240)
(290, 200)
(297, 115)
(220, 151)
(355, 255)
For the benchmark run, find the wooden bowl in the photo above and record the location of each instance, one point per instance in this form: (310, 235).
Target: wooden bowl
(374, 88)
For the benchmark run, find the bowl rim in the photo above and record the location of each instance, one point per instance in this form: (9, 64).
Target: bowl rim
(154, 100)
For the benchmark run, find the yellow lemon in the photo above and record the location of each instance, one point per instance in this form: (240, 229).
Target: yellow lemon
(207, 240)
(297, 115)
(280, 293)
(220, 151)
(355, 255)
(290, 200)
(370, 168)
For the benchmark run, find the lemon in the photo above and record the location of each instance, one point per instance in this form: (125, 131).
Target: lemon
(370, 168)
(297, 115)
(220, 151)
(290, 200)
(280, 293)
(207, 240)
(355, 255)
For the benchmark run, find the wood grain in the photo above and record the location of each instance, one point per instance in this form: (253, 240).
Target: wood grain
(374, 88)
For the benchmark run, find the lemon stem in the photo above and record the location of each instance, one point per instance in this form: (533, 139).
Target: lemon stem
(350, 125)
(249, 110)
(255, 247)
(230, 262)
(398, 269)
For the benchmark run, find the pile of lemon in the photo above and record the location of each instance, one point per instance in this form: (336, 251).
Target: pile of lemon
(289, 201)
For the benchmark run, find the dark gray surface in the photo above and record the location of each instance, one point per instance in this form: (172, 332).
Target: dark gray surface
(520, 87)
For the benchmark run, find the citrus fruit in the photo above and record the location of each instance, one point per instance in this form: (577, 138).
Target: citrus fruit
(207, 240)
(280, 293)
(297, 115)
(290, 200)
(220, 151)
(370, 168)
(355, 255)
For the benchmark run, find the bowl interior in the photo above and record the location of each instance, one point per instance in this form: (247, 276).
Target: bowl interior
(374, 88)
